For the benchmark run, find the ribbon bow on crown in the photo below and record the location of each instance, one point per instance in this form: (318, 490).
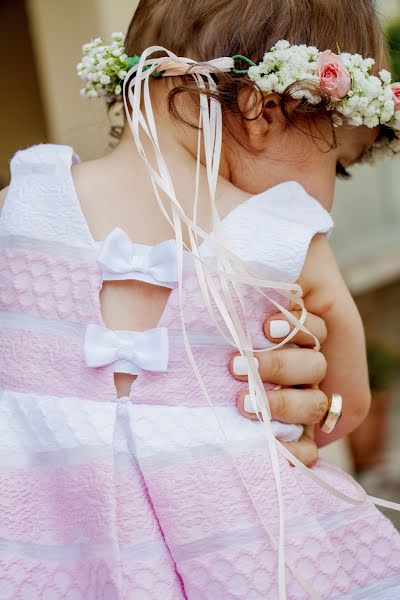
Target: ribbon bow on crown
(120, 258)
(127, 351)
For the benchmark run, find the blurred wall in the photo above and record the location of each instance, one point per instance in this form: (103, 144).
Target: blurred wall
(366, 238)
(367, 214)
(388, 8)
(22, 120)
(59, 29)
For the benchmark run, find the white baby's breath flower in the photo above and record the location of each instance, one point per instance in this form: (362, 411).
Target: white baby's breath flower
(118, 90)
(122, 74)
(368, 63)
(371, 122)
(356, 121)
(104, 79)
(282, 45)
(385, 76)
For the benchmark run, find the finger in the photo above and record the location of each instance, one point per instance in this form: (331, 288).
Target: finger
(287, 366)
(305, 450)
(288, 405)
(277, 328)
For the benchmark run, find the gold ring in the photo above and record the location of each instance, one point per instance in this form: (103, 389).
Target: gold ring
(333, 414)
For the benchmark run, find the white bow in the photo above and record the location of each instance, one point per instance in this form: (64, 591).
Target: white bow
(128, 351)
(120, 258)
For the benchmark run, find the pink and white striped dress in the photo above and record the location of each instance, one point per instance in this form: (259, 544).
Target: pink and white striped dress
(135, 498)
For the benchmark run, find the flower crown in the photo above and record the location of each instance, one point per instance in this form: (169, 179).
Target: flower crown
(355, 96)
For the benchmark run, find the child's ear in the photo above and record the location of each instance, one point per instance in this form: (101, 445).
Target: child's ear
(261, 114)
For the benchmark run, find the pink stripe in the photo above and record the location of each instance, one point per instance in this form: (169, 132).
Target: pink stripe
(258, 308)
(211, 489)
(136, 521)
(51, 365)
(179, 386)
(51, 287)
(347, 556)
(206, 515)
(206, 496)
(60, 505)
(79, 504)
(332, 570)
(110, 578)
(334, 559)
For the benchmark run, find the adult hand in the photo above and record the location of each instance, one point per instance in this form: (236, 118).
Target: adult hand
(289, 367)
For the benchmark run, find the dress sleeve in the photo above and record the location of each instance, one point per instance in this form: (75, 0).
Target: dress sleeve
(273, 230)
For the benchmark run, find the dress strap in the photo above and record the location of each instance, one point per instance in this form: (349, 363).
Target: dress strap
(127, 351)
(41, 203)
(119, 259)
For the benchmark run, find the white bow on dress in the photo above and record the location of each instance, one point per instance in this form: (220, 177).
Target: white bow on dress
(120, 258)
(127, 351)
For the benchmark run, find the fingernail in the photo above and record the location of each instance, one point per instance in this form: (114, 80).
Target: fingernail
(248, 405)
(279, 329)
(239, 365)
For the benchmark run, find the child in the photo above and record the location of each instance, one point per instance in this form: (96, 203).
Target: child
(158, 488)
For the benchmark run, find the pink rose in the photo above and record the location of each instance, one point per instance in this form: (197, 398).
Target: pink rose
(334, 78)
(396, 95)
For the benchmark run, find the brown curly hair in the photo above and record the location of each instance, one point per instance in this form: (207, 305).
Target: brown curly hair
(207, 29)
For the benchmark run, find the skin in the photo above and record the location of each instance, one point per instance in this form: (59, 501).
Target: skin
(107, 186)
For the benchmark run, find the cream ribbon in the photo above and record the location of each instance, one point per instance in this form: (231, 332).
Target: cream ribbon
(230, 270)
(175, 66)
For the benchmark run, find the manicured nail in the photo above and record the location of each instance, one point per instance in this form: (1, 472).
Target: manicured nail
(248, 405)
(239, 365)
(279, 329)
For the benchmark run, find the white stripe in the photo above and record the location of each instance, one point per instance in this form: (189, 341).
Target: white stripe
(50, 248)
(22, 321)
(31, 423)
(83, 552)
(162, 430)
